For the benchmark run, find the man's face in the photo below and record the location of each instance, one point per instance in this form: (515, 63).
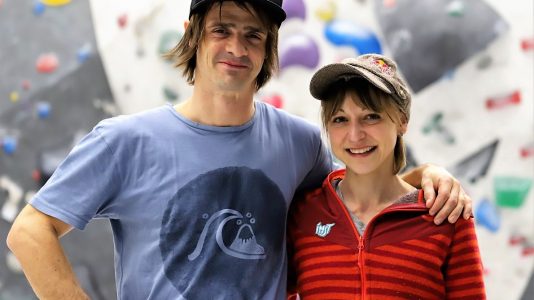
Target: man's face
(232, 52)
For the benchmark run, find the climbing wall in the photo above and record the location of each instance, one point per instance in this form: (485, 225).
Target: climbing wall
(53, 90)
(470, 65)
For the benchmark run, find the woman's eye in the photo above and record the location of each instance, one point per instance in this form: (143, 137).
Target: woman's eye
(339, 119)
(373, 117)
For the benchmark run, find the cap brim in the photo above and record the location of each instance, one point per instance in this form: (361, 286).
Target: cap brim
(273, 10)
(330, 74)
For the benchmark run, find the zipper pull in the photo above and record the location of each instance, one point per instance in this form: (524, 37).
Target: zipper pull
(360, 252)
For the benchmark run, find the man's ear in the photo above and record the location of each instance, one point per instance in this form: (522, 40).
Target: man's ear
(186, 23)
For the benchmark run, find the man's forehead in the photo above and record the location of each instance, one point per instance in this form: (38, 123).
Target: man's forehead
(231, 14)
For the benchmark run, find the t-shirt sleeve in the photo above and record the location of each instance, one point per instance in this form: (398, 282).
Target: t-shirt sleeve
(321, 168)
(83, 183)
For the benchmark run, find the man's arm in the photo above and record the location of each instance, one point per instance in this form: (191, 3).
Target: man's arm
(450, 199)
(34, 239)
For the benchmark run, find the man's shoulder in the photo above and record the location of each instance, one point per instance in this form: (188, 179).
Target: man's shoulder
(284, 118)
(131, 123)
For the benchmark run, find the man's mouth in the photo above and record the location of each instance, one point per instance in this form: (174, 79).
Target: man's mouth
(234, 64)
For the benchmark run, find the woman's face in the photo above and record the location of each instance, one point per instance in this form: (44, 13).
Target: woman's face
(362, 139)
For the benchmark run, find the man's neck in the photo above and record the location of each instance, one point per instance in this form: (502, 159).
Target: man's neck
(218, 108)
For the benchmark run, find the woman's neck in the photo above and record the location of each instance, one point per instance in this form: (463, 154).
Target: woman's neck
(367, 195)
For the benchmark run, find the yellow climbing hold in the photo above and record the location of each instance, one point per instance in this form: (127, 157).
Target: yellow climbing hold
(55, 2)
(327, 11)
(14, 97)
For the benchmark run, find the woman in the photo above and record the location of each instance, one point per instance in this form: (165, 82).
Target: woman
(365, 234)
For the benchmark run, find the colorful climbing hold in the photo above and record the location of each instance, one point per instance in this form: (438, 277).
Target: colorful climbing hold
(435, 124)
(326, 11)
(484, 62)
(169, 93)
(43, 110)
(36, 175)
(299, 50)
(275, 100)
(347, 33)
(26, 85)
(511, 191)
(38, 8)
(55, 2)
(527, 44)
(503, 101)
(516, 239)
(456, 8)
(486, 214)
(84, 53)
(528, 248)
(9, 144)
(122, 20)
(527, 150)
(47, 63)
(14, 97)
(294, 9)
(389, 3)
(168, 40)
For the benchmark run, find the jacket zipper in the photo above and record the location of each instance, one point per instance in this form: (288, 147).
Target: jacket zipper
(361, 238)
(361, 264)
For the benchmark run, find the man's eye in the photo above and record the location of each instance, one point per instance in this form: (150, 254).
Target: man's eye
(219, 30)
(255, 38)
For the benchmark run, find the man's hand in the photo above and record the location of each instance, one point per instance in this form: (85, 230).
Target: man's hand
(451, 198)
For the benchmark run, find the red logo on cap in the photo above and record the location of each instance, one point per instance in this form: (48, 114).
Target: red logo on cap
(382, 66)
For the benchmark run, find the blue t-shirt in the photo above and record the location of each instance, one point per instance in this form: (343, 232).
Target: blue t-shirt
(197, 212)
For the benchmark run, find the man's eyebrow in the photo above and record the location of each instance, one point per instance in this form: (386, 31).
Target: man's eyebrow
(233, 25)
(256, 29)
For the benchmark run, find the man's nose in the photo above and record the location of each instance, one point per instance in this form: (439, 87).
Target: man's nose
(237, 46)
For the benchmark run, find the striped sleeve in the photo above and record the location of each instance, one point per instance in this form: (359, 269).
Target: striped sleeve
(463, 266)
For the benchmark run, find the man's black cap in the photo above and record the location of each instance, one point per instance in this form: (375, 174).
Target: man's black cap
(272, 7)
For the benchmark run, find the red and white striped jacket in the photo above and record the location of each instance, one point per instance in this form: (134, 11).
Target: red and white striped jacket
(401, 255)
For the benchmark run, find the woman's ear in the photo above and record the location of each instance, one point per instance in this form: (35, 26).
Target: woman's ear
(186, 23)
(403, 127)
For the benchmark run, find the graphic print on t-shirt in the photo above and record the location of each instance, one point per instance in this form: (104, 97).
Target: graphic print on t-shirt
(222, 235)
(243, 246)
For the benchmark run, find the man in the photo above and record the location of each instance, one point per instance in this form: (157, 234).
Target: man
(196, 194)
